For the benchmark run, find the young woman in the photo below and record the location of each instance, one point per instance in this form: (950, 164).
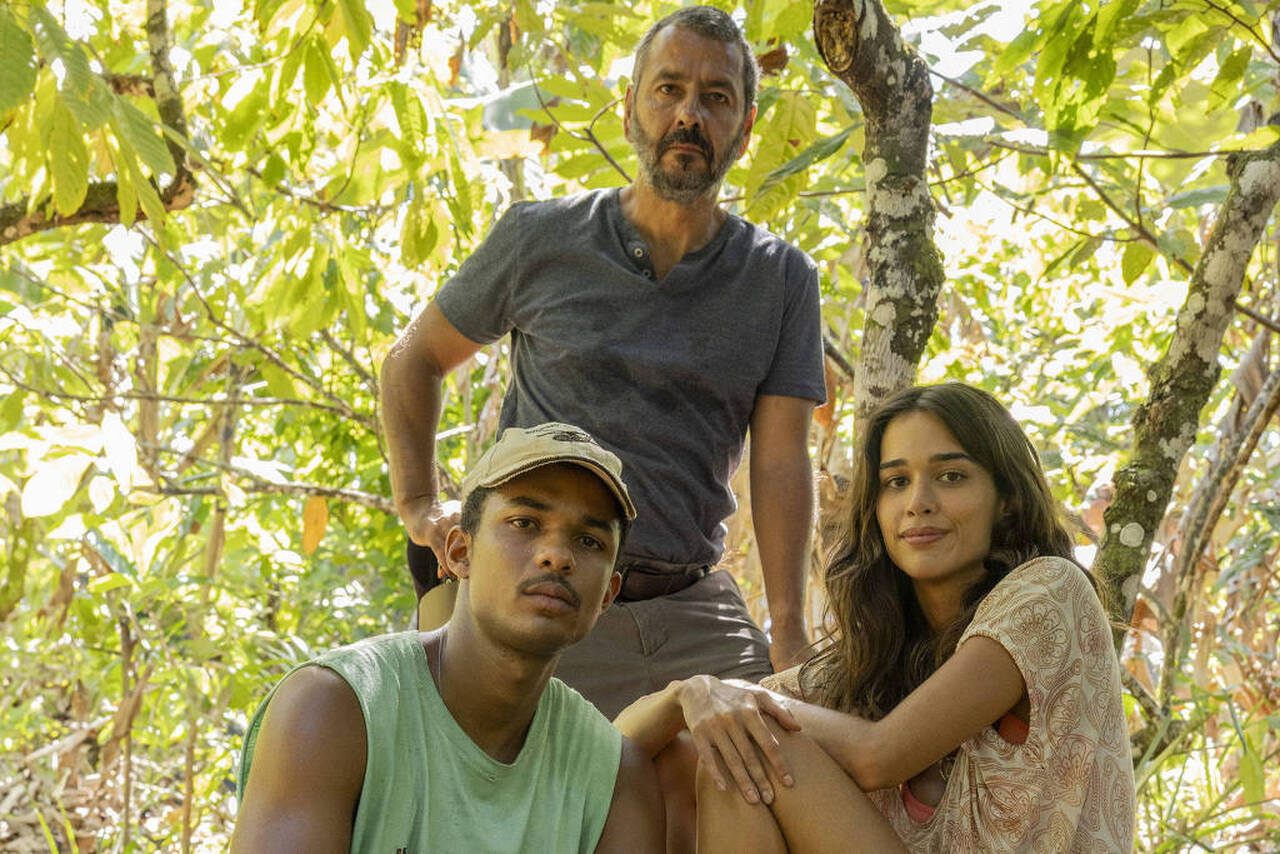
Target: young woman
(969, 687)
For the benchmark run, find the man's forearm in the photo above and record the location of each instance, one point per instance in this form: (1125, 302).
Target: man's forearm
(411, 406)
(782, 509)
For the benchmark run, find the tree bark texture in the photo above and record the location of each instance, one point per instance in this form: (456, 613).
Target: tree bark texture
(1165, 424)
(863, 47)
(21, 219)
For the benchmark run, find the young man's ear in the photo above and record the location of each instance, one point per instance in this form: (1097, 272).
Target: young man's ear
(611, 591)
(457, 552)
(626, 114)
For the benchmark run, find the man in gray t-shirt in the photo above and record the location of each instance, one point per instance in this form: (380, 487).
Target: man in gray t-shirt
(665, 327)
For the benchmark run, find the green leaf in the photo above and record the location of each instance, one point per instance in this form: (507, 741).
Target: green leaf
(1136, 258)
(358, 25)
(794, 20)
(111, 581)
(54, 44)
(820, 150)
(68, 161)
(315, 73)
(1226, 86)
(139, 131)
(18, 71)
(126, 192)
(1108, 16)
(1197, 197)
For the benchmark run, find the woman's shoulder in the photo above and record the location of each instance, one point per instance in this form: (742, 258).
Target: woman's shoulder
(1051, 577)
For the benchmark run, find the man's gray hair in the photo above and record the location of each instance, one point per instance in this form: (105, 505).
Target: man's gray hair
(710, 23)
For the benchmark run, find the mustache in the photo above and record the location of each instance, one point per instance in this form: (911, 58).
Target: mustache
(686, 136)
(552, 578)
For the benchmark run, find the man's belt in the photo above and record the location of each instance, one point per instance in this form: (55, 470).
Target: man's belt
(647, 579)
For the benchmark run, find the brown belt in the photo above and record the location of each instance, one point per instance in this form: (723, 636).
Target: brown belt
(647, 579)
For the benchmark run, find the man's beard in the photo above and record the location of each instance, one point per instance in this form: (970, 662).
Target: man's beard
(681, 184)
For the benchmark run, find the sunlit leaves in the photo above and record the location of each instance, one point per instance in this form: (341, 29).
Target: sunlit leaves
(18, 71)
(790, 126)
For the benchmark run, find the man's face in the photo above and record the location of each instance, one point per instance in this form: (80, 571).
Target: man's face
(539, 567)
(685, 117)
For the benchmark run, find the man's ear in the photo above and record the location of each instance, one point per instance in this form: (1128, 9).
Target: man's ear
(746, 131)
(626, 114)
(611, 591)
(457, 552)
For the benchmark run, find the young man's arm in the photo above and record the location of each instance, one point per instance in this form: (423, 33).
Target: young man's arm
(782, 510)
(411, 403)
(636, 819)
(308, 768)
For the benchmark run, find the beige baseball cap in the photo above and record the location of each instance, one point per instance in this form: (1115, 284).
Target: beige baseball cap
(522, 449)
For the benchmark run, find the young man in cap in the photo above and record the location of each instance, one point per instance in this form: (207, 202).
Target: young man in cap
(460, 739)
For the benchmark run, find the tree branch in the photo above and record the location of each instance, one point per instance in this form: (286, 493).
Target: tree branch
(588, 135)
(100, 202)
(863, 47)
(1165, 425)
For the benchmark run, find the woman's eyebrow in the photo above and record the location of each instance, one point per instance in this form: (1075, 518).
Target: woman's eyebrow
(936, 458)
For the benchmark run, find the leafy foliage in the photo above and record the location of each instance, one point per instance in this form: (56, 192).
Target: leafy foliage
(195, 496)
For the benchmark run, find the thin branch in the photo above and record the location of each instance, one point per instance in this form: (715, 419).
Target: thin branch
(361, 371)
(981, 96)
(245, 341)
(319, 204)
(1030, 211)
(1257, 37)
(1135, 225)
(588, 135)
(1040, 151)
(1274, 326)
(257, 486)
(837, 358)
(169, 398)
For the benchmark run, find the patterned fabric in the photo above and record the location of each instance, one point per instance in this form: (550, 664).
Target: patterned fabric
(1069, 787)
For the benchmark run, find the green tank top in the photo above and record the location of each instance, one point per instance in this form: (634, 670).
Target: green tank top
(428, 787)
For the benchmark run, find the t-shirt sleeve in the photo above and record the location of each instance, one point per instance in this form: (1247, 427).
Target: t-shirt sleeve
(1048, 618)
(479, 299)
(797, 369)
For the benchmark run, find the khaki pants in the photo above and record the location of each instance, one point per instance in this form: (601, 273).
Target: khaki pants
(637, 648)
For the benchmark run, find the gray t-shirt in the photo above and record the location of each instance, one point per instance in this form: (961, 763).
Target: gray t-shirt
(665, 374)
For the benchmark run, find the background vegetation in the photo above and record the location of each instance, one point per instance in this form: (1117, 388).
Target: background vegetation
(215, 218)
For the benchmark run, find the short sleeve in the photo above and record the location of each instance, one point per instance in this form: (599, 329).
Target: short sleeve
(797, 369)
(1048, 617)
(479, 299)
(784, 682)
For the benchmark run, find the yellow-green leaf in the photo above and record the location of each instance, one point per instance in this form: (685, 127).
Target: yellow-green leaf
(68, 161)
(1136, 258)
(18, 71)
(140, 132)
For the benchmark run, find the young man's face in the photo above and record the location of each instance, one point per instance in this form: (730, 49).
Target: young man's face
(539, 567)
(687, 116)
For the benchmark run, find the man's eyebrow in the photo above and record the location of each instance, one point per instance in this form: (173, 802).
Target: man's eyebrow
(679, 75)
(599, 524)
(531, 503)
(936, 458)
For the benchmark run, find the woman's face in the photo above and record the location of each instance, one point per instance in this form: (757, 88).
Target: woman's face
(936, 508)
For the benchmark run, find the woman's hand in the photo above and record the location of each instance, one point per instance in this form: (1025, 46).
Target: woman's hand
(726, 720)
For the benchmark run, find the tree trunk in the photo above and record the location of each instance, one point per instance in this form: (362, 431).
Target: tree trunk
(863, 47)
(1181, 382)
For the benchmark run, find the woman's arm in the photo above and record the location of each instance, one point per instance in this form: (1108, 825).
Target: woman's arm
(972, 690)
(726, 721)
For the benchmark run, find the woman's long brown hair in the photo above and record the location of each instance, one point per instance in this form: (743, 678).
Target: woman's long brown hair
(881, 647)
